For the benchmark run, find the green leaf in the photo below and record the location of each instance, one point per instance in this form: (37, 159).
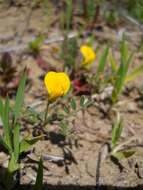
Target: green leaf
(1, 110)
(113, 63)
(13, 165)
(102, 63)
(123, 154)
(64, 128)
(135, 73)
(73, 104)
(16, 139)
(26, 144)
(2, 142)
(66, 110)
(122, 71)
(19, 97)
(117, 130)
(36, 43)
(6, 123)
(39, 178)
(69, 13)
(82, 101)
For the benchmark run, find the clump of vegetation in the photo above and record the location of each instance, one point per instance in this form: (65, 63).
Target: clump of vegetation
(11, 140)
(118, 150)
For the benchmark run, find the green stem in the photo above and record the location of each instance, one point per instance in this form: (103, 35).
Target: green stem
(46, 113)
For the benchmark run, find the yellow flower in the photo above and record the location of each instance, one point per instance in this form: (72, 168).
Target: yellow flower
(88, 55)
(57, 84)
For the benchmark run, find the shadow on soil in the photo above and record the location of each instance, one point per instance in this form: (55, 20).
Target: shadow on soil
(76, 187)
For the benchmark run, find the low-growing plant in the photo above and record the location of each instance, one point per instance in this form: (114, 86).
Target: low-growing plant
(58, 85)
(69, 52)
(98, 79)
(35, 45)
(112, 17)
(118, 150)
(66, 16)
(11, 140)
(120, 75)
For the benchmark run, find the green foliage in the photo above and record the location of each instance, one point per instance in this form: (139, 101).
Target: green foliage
(123, 154)
(99, 77)
(116, 130)
(73, 104)
(66, 15)
(19, 98)
(91, 10)
(120, 75)
(117, 150)
(11, 138)
(70, 113)
(102, 63)
(27, 143)
(69, 9)
(135, 8)
(39, 179)
(112, 17)
(36, 44)
(69, 52)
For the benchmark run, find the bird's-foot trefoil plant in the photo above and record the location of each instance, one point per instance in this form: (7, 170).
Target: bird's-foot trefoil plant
(58, 110)
(58, 85)
(11, 140)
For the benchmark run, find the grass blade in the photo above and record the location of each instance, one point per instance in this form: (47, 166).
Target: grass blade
(117, 130)
(19, 97)
(6, 123)
(27, 143)
(1, 109)
(123, 154)
(102, 62)
(135, 73)
(113, 63)
(39, 178)
(122, 71)
(16, 136)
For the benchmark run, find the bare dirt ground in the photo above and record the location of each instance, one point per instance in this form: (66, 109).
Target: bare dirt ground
(86, 162)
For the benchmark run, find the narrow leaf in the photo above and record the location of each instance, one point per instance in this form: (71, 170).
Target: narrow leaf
(123, 154)
(6, 123)
(73, 104)
(26, 144)
(16, 138)
(102, 62)
(135, 73)
(19, 97)
(117, 130)
(2, 142)
(1, 109)
(13, 165)
(82, 101)
(39, 178)
(113, 63)
(66, 110)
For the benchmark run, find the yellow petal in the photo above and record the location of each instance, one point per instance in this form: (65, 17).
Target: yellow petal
(88, 54)
(57, 84)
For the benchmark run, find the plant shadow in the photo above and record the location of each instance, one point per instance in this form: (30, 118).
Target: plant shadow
(78, 187)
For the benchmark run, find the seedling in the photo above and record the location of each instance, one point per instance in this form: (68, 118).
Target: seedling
(35, 45)
(120, 76)
(11, 140)
(117, 149)
(98, 79)
(69, 53)
(70, 113)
